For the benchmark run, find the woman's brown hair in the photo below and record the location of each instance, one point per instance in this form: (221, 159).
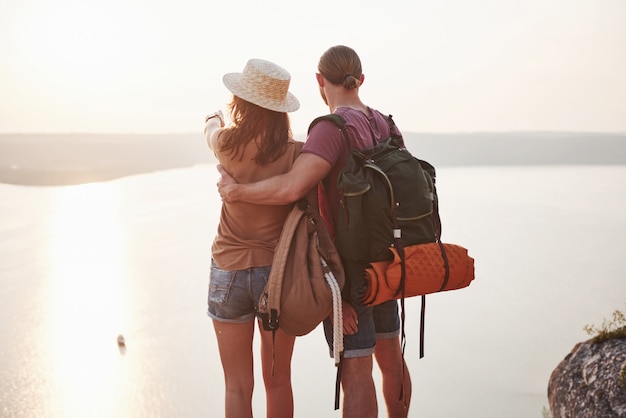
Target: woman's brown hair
(271, 131)
(341, 65)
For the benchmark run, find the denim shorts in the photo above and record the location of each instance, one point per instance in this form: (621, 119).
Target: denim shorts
(375, 322)
(234, 294)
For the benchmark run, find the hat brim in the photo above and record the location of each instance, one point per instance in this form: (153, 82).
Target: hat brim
(233, 82)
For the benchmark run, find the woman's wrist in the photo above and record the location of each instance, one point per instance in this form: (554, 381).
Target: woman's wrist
(218, 115)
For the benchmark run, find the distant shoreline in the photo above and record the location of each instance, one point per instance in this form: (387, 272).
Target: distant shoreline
(65, 159)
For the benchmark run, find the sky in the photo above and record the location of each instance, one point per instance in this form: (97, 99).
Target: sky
(139, 66)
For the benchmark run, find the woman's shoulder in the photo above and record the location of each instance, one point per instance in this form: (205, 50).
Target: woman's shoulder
(215, 143)
(295, 143)
(293, 148)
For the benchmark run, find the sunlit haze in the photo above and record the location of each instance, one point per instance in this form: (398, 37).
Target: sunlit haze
(138, 66)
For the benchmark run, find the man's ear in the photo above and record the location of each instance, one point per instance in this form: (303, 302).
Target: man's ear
(320, 79)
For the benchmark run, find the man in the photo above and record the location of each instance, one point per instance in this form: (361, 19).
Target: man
(369, 330)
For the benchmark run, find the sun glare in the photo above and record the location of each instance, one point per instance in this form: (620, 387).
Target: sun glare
(86, 301)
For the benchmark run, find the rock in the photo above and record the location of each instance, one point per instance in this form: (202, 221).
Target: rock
(589, 382)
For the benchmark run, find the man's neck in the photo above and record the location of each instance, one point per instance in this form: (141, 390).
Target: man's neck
(337, 97)
(355, 104)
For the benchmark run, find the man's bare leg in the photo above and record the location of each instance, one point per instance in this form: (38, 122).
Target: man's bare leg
(392, 366)
(359, 392)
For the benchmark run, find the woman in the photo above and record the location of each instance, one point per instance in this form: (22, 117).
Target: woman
(258, 144)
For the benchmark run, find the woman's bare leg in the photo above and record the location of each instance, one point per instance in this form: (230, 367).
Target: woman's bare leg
(279, 394)
(235, 346)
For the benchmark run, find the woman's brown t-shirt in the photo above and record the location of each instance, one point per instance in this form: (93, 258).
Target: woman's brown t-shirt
(248, 233)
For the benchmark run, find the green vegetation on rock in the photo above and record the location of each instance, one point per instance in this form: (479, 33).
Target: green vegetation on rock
(614, 328)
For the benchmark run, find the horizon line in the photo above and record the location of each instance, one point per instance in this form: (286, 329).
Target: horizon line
(510, 131)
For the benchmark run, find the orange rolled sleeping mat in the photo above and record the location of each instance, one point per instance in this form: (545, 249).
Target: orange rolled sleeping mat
(425, 272)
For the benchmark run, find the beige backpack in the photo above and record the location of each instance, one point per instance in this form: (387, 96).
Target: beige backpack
(306, 279)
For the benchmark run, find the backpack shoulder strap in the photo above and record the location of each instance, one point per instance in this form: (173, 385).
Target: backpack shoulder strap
(393, 128)
(332, 117)
(274, 285)
(337, 120)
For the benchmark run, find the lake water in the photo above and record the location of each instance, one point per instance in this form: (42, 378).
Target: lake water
(80, 265)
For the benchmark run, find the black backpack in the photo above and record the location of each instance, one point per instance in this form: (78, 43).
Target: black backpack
(388, 202)
(388, 199)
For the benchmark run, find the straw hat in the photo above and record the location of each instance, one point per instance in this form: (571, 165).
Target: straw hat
(265, 84)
